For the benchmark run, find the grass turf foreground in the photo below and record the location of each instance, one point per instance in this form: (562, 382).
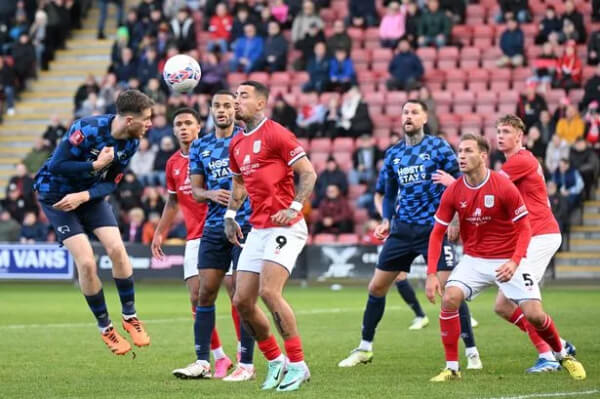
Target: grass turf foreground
(50, 348)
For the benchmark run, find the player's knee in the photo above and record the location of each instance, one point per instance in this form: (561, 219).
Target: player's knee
(269, 295)
(452, 299)
(207, 296)
(86, 268)
(242, 304)
(116, 252)
(376, 289)
(536, 317)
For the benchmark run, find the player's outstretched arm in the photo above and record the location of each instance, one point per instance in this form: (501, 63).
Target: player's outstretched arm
(166, 220)
(233, 230)
(306, 183)
(201, 194)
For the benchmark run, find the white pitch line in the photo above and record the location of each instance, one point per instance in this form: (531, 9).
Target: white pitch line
(548, 395)
(181, 319)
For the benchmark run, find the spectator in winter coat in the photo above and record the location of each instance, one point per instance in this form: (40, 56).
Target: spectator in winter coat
(576, 18)
(571, 127)
(512, 44)
(220, 29)
(515, 9)
(556, 150)
(339, 39)
(570, 69)
(284, 114)
(142, 162)
(550, 27)
(530, 105)
(275, 52)
(341, 71)
(569, 182)
(184, 31)
(303, 22)
(247, 51)
(406, 69)
(434, 26)
(331, 175)
(392, 26)
(335, 215)
(583, 158)
(363, 13)
(593, 49)
(318, 70)
(8, 80)
(592, 89)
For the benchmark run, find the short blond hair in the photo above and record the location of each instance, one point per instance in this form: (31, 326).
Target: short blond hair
(513, 121)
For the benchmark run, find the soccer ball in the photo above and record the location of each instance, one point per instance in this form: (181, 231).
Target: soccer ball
(182, 73)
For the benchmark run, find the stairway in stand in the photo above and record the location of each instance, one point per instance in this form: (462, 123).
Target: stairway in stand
(54, 90)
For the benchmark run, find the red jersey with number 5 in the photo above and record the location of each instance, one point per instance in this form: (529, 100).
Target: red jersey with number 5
(179, 183)
(525, 171)
(486, 213)
(263, 157)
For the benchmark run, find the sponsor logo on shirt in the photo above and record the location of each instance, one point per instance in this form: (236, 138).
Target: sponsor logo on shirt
(478, 218)
(488, 201)
(256, 146)
(76, 138)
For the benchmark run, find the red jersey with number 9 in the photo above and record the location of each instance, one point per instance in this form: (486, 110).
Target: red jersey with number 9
(263, 157)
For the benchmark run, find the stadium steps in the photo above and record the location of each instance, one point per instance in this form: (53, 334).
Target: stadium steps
(52, 93)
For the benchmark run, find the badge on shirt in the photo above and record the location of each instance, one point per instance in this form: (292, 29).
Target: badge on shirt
(76, 138)
(488, 201)
(256, 147)
(118, 178)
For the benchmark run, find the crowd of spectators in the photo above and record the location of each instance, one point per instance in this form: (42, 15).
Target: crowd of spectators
(263, 36)
(30, 33)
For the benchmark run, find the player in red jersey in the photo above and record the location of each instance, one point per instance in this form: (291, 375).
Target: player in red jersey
(186, 125)
(495, 229)
(524, 170)
(263, 160)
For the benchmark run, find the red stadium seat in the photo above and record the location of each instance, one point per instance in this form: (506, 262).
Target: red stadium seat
(576, 95)
(343, 158)
(381, 134)
(235, 78)
(455, 79)
(393, 109)
(443, 100)
(382, 121)
(382, 54)
(447, 57)
(305, 143)
(343, 144)
(300, 77)
(427, 54)
(486, 102)
(475, 14)
(323, 239)
(462, 34)
(320, 145)
(360, 216)
(471, 123)
(262, 77)
(395, 98)
(469, 57)
(356, 190)
(374, 98)
(349, 239)
(449, 120)
(383, 142)
(366, 77)
(464, 102)
(380, 67)
(375, 109)
(435, 78)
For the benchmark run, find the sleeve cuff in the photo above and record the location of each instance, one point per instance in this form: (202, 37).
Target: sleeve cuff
(440, 221)
(520, 216)
(297, 157)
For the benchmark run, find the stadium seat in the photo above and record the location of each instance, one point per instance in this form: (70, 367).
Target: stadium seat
(360, 216)
(486, 102)
(435, 78)
(382, 54)
(235, 78)
(382, 121)
(366, 77)
(463, 102)
(375, 109)
(328, 16)
(469, 57)
(344, 159)
(475, 15)
(471, 123)
(349, 239)
(300, 77)
(443, 100)
(323, 239)
(455, 79)
(482, 34)
(305, 143)
(449, 120)
(383, 142)
(320, 145)
(462, 34)
(374, 98)
(447, 57)
(576, 95)
(356, 190)
(360, 57)
(381, 134)
(343, 144)
(395, 98)
(393, 109)
(380, 67)
(262, 77)
(427, 54)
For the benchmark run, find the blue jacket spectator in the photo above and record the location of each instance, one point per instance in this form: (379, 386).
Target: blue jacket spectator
(569, 182)
(127, 68)
(363, 12)
(512, 43)
(318, 70)
(551, 24)
(341, 71)
(247, 51)
(405, 69)
(33, 230)
(148, 66)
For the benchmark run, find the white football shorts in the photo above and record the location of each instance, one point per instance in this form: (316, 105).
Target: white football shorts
(540, 251)
(190, 258)
(280, 245)
(472, 275)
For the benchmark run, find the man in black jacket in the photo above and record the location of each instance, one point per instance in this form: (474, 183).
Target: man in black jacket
(8, 79)
(591, 89)
(275, 50)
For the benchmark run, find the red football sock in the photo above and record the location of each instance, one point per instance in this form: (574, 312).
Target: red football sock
(550, 334)
(269, 348)
(519, 320)
(193, 312)
(450, 331)
(236, 322)
(293, 348)
(215, 341)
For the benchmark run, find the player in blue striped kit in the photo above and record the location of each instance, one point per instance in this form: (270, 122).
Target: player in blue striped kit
(409, 204)
(211, 183)
(72, 186)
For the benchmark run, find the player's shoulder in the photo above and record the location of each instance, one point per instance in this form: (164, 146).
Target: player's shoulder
(207, 139)
(501, 180)
(176, 158)
(95, 122)
(523, 157)
(394, 150)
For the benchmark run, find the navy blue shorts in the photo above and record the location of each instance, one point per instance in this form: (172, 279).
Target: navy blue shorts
(405, 243)
(216, 252)
(83, 220)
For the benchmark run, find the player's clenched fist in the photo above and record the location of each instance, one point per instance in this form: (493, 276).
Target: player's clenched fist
(105, 157)
(284, 217)
(219, 196)
(383, 229)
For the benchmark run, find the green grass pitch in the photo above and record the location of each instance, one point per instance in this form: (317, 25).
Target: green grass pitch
(50, 348)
